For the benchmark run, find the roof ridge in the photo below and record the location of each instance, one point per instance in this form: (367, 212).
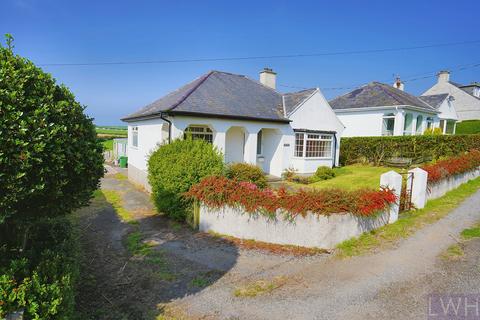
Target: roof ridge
(182, 99)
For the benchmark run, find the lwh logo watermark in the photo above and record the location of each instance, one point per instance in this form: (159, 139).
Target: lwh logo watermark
(454, 306)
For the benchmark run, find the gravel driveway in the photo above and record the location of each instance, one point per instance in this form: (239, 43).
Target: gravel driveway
(388, 284)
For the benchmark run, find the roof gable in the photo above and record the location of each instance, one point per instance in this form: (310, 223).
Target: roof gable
(376, 94)
(292, 100)
(434, 100)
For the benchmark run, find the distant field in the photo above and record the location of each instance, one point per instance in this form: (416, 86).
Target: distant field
(106, 134)
(112, 131)
(468, 127)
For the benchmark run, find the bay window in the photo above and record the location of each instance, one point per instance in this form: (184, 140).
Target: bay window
(313, 145)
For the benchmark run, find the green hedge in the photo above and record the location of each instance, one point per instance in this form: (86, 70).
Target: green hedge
(376, 149)
(41, 280)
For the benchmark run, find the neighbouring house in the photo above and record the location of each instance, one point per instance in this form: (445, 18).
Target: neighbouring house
(444, 103)
(378, 109)
(467, 97)
(248, 121)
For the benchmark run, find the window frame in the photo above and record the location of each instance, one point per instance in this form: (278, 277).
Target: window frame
(259, 143)
(135, 137)
(206, 132)
(305, 138)
(385, 118)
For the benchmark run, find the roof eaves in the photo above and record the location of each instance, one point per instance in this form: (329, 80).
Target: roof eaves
(226, 116)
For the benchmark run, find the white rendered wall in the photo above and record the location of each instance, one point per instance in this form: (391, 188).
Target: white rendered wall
(311, 231)
(149, 136)
(315, 114)
(363, 123)
(447, 109)
(438, 189)
(466, 106)
(369, 123)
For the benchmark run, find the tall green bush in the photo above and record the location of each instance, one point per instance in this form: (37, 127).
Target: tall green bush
(173, 168)
(50, 159)
(247, 172)
(377, 149)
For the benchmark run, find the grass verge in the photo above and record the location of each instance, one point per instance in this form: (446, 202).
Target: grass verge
(471, 233)
(115, 199)
(453, 252)
(408, 223)
(259, 287)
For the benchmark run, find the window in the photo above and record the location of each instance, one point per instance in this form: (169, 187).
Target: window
(442, 125)
(419, 125)
(450, 129)
(299, 144)
(407, 128)
(135, 136)
(313, 145)
(429, 122)
(199, 132)
(388, 124)
(259, 142)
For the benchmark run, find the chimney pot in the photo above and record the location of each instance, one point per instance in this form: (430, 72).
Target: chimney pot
(443, 76)
(268, 78)
(398, 84)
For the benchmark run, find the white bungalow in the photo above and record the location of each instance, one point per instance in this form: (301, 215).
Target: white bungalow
(248, 121)
(378, 109)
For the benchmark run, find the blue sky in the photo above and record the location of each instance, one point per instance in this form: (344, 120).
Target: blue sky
(55, 31)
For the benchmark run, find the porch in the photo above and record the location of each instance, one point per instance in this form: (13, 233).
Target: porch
(260, 144)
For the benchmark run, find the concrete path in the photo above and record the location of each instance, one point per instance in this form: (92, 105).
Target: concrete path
(391, 283)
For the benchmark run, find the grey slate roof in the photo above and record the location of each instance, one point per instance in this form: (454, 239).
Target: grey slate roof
(376, 94)
(468, 88)
(292, 100)
(219, 94)
(435, 100)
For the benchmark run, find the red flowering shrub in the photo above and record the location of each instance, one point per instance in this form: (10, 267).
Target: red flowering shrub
(452, 166)
(216, 192)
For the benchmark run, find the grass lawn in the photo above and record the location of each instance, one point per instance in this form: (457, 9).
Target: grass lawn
(468, 127)
(410, 221)
(351, 177)
(108, 144)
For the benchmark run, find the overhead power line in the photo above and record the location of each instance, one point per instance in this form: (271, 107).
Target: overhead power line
(411, 78)
(302, 55)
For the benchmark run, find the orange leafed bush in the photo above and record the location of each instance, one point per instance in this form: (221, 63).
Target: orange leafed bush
(216, 192)
(453, 166)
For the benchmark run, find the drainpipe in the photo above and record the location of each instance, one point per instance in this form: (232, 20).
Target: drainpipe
(162, 116)
(334, 149)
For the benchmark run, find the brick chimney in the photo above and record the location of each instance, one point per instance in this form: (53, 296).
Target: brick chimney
(398, 84)
(268, 78)
(443, 76)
